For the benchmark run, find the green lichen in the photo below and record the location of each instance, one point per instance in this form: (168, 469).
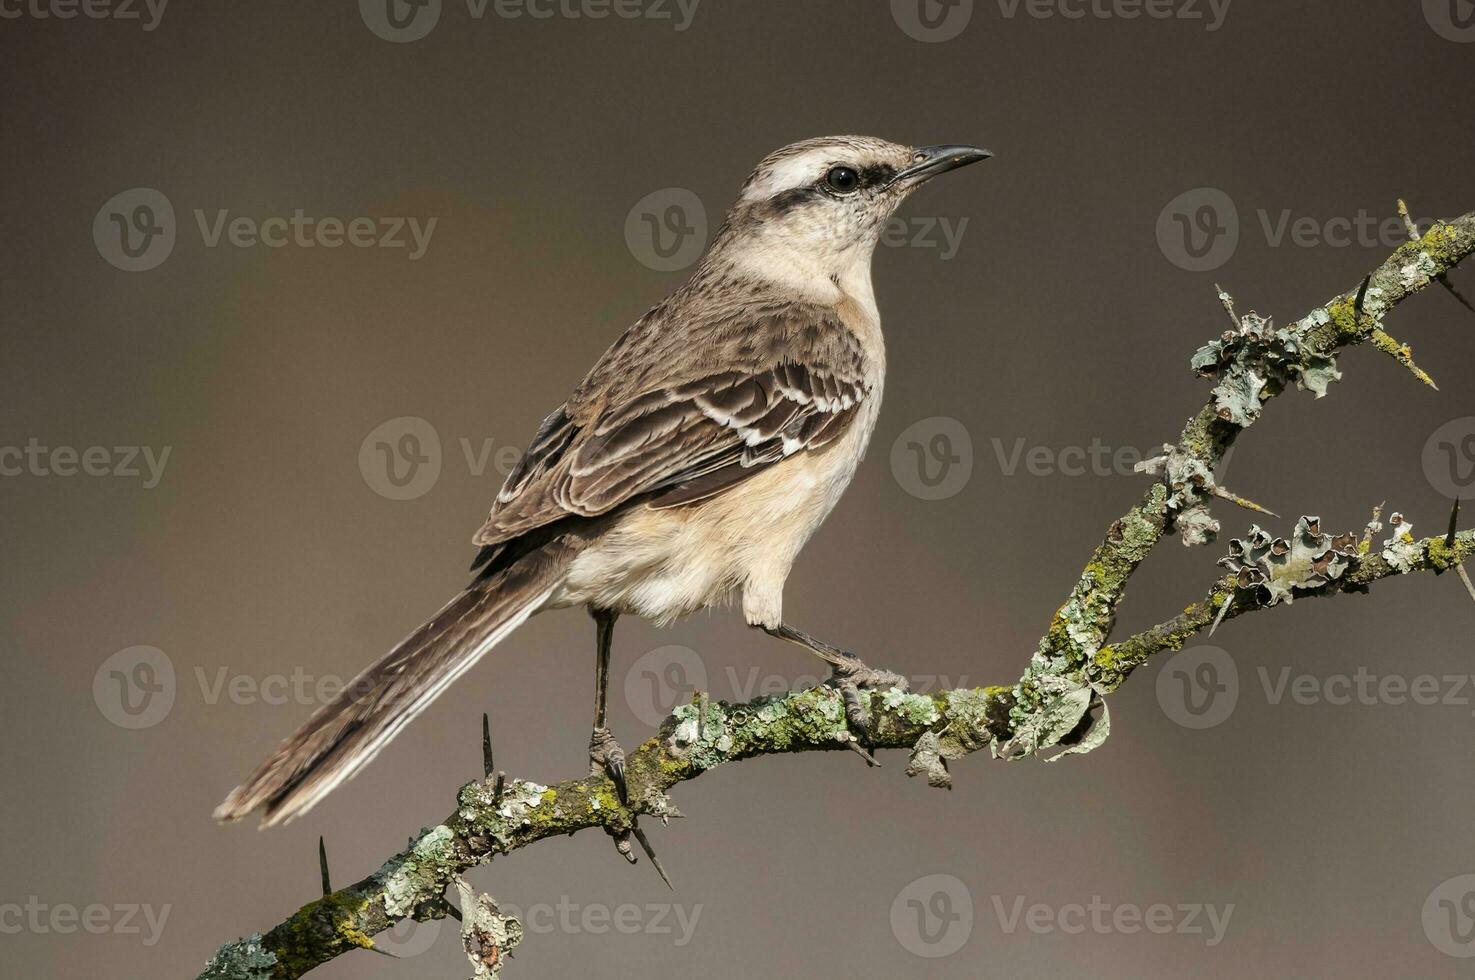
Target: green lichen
(320, 930)
(1443, 556)
(916, 709)
(421, 873)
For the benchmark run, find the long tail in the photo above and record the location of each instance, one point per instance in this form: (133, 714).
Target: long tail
(343, 736)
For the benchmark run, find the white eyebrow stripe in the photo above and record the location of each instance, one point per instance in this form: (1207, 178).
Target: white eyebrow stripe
(799, 171)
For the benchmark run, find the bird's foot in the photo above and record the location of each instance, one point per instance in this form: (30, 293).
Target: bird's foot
(606, 756)
(850, 678)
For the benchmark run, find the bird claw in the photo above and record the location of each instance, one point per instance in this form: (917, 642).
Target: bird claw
(607, 757)
(850, 678)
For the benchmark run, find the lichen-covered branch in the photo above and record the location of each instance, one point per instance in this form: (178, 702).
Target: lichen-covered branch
(1114, 663)
(1251, 364)
(1056, 706)
(696, 737)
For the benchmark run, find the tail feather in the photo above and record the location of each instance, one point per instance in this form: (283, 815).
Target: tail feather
(343, 736)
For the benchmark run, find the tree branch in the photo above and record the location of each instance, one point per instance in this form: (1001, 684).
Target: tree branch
(1056, 704)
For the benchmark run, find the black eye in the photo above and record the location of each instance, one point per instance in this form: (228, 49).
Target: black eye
(842, 180)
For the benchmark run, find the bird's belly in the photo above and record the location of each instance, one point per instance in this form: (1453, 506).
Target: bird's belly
(662, 564)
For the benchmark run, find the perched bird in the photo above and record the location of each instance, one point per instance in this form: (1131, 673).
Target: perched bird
(690, 465)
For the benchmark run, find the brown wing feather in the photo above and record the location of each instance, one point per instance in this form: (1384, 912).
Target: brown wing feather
(651, 421)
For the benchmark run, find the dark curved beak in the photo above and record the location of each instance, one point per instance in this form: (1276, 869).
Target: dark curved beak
(929, 161)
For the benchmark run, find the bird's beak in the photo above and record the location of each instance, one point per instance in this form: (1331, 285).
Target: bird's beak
(929, 161)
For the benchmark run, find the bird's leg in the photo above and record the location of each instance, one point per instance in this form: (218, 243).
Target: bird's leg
(848, 672)
(605, 754)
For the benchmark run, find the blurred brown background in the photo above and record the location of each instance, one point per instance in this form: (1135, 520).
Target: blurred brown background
(1058, 318)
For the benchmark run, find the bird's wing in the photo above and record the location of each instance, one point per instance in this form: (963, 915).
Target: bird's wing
(679, 415)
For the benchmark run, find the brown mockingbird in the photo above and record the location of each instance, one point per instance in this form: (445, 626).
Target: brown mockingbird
(691, 464)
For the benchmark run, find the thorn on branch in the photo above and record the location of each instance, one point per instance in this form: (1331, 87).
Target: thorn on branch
(1224, 609)
(1442, 278)
(1408, 221)
(1228, 303)
(487, 765)
(323, 867)
(1449, 542)
(855, 746)
(650, 853)
(1361, 298)
(498, 787)
(1465, 577)
(1401, 353)
(1226, 494)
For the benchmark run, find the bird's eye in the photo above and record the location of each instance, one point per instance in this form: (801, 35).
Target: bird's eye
(842, 180)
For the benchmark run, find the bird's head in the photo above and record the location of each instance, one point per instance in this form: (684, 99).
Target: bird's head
(822, 204)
